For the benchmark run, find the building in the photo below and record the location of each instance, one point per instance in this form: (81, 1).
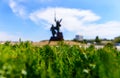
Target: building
(79, 37)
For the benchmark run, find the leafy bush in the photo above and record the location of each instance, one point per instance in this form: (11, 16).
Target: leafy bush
(24, 60)
(117, 39)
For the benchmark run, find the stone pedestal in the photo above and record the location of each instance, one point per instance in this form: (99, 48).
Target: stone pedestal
(59, 37)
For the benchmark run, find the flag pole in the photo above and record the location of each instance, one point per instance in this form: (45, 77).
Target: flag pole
(55, 15)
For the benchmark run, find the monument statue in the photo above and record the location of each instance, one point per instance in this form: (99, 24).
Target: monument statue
(55, 30)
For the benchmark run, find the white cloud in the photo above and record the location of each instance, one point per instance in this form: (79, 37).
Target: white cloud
(78, 21)
(105, 30)
(20, 8)
(72, 18)
(17, 8)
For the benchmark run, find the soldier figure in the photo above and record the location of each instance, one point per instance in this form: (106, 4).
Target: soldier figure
(52, 29)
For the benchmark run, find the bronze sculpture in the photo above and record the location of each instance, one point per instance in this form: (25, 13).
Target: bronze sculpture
(55, 30)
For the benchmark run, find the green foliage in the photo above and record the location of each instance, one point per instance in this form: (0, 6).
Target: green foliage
(23, 60)
(117, 40)
(109, 45)
(7, 43)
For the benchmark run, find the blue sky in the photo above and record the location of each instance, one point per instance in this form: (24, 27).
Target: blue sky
(32, 19)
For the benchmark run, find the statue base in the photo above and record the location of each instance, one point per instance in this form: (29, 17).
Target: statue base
(59, 37)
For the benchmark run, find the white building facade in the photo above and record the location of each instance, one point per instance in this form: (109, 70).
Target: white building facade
(79, 37)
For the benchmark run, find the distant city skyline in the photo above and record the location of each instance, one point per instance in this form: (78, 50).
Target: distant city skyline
(32, 19)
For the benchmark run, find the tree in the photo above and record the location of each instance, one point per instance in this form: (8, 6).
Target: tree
(97, 40)
(117, 39)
